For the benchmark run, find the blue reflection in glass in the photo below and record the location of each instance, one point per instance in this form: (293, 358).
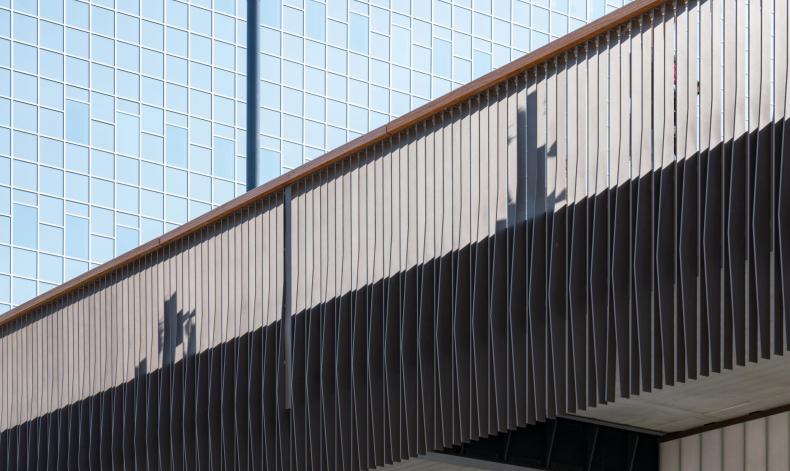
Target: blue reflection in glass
(358, 33)
(316, 20)
(77, 122)
(77, 236)
(25, 225)
(176, 141)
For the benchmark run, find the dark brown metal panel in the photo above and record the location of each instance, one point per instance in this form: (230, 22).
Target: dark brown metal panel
(425, 387)
(498, 292)
(780, 96)
(642, 163)
(360, 278)
(659, 85)
(736, 172)
(536, 151)
(762, 223)
(711, 159)
(530, 164)
(576, 263)
(441, 287)
(607, 163)
(782, 168)
(408, 294)
(666, 241)
(691, 240)
(686, 203)
(557, 188)
(595, 276)
(517, 313)
(342, 348)
(268, 395)
(461, 263)
(312, 374)
(620, 174)
(753, 315)
(480, 332)
(732, 126)
(375, 316)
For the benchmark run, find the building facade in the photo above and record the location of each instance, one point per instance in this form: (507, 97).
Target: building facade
(119, 123)
(122, 120)
(579, 261)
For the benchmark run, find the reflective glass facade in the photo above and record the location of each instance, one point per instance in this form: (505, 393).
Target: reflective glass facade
(118, 121)
(121, 119)
(332, 70)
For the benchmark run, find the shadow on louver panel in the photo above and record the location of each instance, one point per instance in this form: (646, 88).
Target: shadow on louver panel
(157, 392)
(653, 277)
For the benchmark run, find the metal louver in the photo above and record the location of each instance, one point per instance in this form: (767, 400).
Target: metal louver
(609, 221)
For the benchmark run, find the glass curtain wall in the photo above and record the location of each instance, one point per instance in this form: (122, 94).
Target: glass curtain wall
(119, 120)
(332, 70)
(122, 119)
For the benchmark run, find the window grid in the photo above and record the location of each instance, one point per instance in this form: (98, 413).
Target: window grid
(100, 181)
(463, 31)
(121, 120)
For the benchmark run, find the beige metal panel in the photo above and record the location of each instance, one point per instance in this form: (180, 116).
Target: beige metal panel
(683, 77)
(368, 225)
(738, 25)
(576, 129)
(622, 164)
(484, 215)
(502, 155)
(601, 59)
(778, 447)
(553, 131)
(457, 176)
(755, 442)
(563, 118)
(667, 74)
(376, 211)
(420, 197)
(355, 228)
(636, 94)
(734, 445)
(760, 444)
(199, 264)
(492, 155)
(543, 145)
(476, 171)
(669, 456)
(690, 453)
(467, 177)
(330, 270)
(369, 185)
(615, 92)
(399, 194)
(243, 255)
(512, 140)
(348, 227)
(712, 450)
(730, 82)
(429, 168)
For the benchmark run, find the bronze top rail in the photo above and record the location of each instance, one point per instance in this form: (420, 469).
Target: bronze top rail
(540, 55)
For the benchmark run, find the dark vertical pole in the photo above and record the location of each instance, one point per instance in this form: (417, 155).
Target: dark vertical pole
(252, 94)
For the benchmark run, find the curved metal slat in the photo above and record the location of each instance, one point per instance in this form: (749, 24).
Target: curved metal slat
(597, 222)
